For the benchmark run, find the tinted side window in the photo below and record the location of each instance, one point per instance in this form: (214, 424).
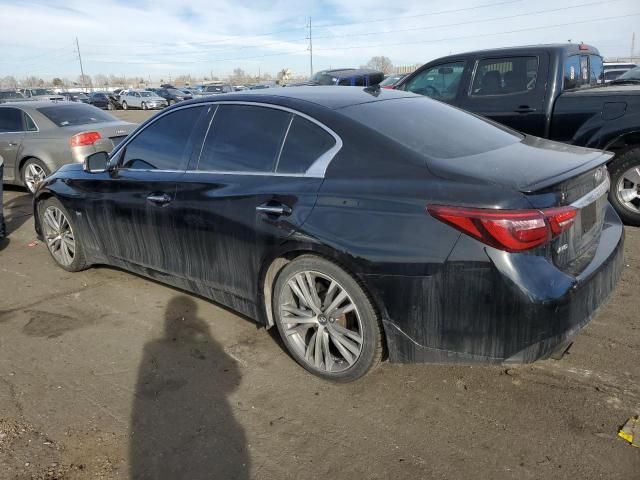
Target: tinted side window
(305, 143)
(10, 120)
(29, 123)
(163, 145)
(440, 82)
(244, 138)
(501, 76)
(572, 72)
(597, 70)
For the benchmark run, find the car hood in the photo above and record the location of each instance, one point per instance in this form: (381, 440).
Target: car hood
(526, 166)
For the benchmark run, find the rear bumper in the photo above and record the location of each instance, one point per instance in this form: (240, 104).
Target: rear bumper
(496, 307)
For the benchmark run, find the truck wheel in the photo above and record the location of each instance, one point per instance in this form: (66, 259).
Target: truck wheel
(625, 186)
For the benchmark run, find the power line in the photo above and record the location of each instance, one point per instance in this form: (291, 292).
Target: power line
(297, 29)
(480, 35)
(508, 17)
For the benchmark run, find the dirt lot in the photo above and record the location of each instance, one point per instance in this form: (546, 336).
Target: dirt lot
(107, 375)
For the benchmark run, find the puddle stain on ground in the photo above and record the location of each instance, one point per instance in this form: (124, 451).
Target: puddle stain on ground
(50, 325)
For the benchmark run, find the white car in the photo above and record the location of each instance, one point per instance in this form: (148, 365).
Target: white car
(143, 99)
(41, 94)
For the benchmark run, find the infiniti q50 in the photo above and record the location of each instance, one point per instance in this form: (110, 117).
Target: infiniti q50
(363, 223)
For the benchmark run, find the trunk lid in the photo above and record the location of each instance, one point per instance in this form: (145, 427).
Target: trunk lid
(549, 174)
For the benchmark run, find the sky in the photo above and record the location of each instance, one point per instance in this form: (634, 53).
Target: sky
(162, 38)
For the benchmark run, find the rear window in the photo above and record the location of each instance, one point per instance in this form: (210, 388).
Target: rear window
(432, 128)
(68, 115)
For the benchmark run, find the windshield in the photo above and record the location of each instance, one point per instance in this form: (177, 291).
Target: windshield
(79, 114)
(431, 128)
(173, 91)
(322, 78)
(147, 94)
(391, 80)
(41, 91)
(633, 74)
(10, 95)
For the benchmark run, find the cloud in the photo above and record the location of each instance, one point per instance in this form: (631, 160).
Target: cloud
(164, 37)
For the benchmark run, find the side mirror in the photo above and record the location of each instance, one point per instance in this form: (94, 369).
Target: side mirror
(96, 162)
(445, 70)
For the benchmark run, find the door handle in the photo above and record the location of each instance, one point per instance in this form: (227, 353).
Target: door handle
(272, 208)
(524, 109)
(160, 199)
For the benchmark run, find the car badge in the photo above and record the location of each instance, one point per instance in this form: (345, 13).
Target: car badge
(121, 132)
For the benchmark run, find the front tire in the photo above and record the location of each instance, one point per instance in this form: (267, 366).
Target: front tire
(143, 106)
(111, 106)
(326, 320)
(33, 172)
(624, 194)
(60, 234)
(125, 106)
(172, 102)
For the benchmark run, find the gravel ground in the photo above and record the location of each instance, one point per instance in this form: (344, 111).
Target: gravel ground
(104, 374)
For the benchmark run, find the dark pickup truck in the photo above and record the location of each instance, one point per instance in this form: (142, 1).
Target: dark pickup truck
(550, 91)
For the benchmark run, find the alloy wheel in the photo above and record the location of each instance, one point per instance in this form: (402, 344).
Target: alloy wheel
(59, 236)
(33, 175)
(321, 322)
(628, 189)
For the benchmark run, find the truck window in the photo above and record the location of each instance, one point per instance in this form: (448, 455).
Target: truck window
(597, 70)
(572, 73)
(503, 76)
(440, 82)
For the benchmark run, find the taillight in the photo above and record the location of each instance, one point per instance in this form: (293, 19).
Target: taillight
(85, 138)
(510, 230)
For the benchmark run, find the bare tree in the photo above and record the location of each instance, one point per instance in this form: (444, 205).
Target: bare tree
(380, 63)
(100, 80)
(57, 82)
(238, 77)
(85, 81)
(9, 82)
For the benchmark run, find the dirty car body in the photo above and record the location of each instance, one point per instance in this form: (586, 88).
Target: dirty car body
(473, 242)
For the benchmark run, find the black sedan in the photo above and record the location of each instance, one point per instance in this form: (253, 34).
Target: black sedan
(99, 99)
(172, 95)
(359, 222)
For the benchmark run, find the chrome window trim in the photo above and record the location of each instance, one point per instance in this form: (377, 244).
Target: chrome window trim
(317, 169)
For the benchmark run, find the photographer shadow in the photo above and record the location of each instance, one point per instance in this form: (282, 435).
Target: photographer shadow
(182, 423)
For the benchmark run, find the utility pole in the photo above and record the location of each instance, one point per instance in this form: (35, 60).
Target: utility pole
(633, 45)
(80, 58)
(310, 38)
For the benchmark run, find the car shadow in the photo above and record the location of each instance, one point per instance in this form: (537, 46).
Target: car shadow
(17, 211)
(182, 423)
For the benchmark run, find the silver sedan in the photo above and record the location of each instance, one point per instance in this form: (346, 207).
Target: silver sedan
(37, 138)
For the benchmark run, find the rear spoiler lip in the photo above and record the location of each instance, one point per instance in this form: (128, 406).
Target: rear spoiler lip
(574, 172)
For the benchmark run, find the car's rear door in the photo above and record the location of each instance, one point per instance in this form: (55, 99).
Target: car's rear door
(132, 208)
(252, 187)
(12, 131)
(510, 90)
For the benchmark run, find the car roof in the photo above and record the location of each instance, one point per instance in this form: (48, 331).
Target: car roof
(565, 48)
(348, 72)
(331, 97)
(34, 104)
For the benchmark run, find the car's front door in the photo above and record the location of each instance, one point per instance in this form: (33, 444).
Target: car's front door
(252, 187)
(510, 90)
(11, 135)
(132, 209)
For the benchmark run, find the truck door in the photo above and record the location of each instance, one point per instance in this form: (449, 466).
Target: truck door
(510, 90)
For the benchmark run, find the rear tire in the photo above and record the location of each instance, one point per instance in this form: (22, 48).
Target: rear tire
(335, 333)
(125, 106)
(171, 102)
(33, 172)
(61, 235)
(624, 194)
